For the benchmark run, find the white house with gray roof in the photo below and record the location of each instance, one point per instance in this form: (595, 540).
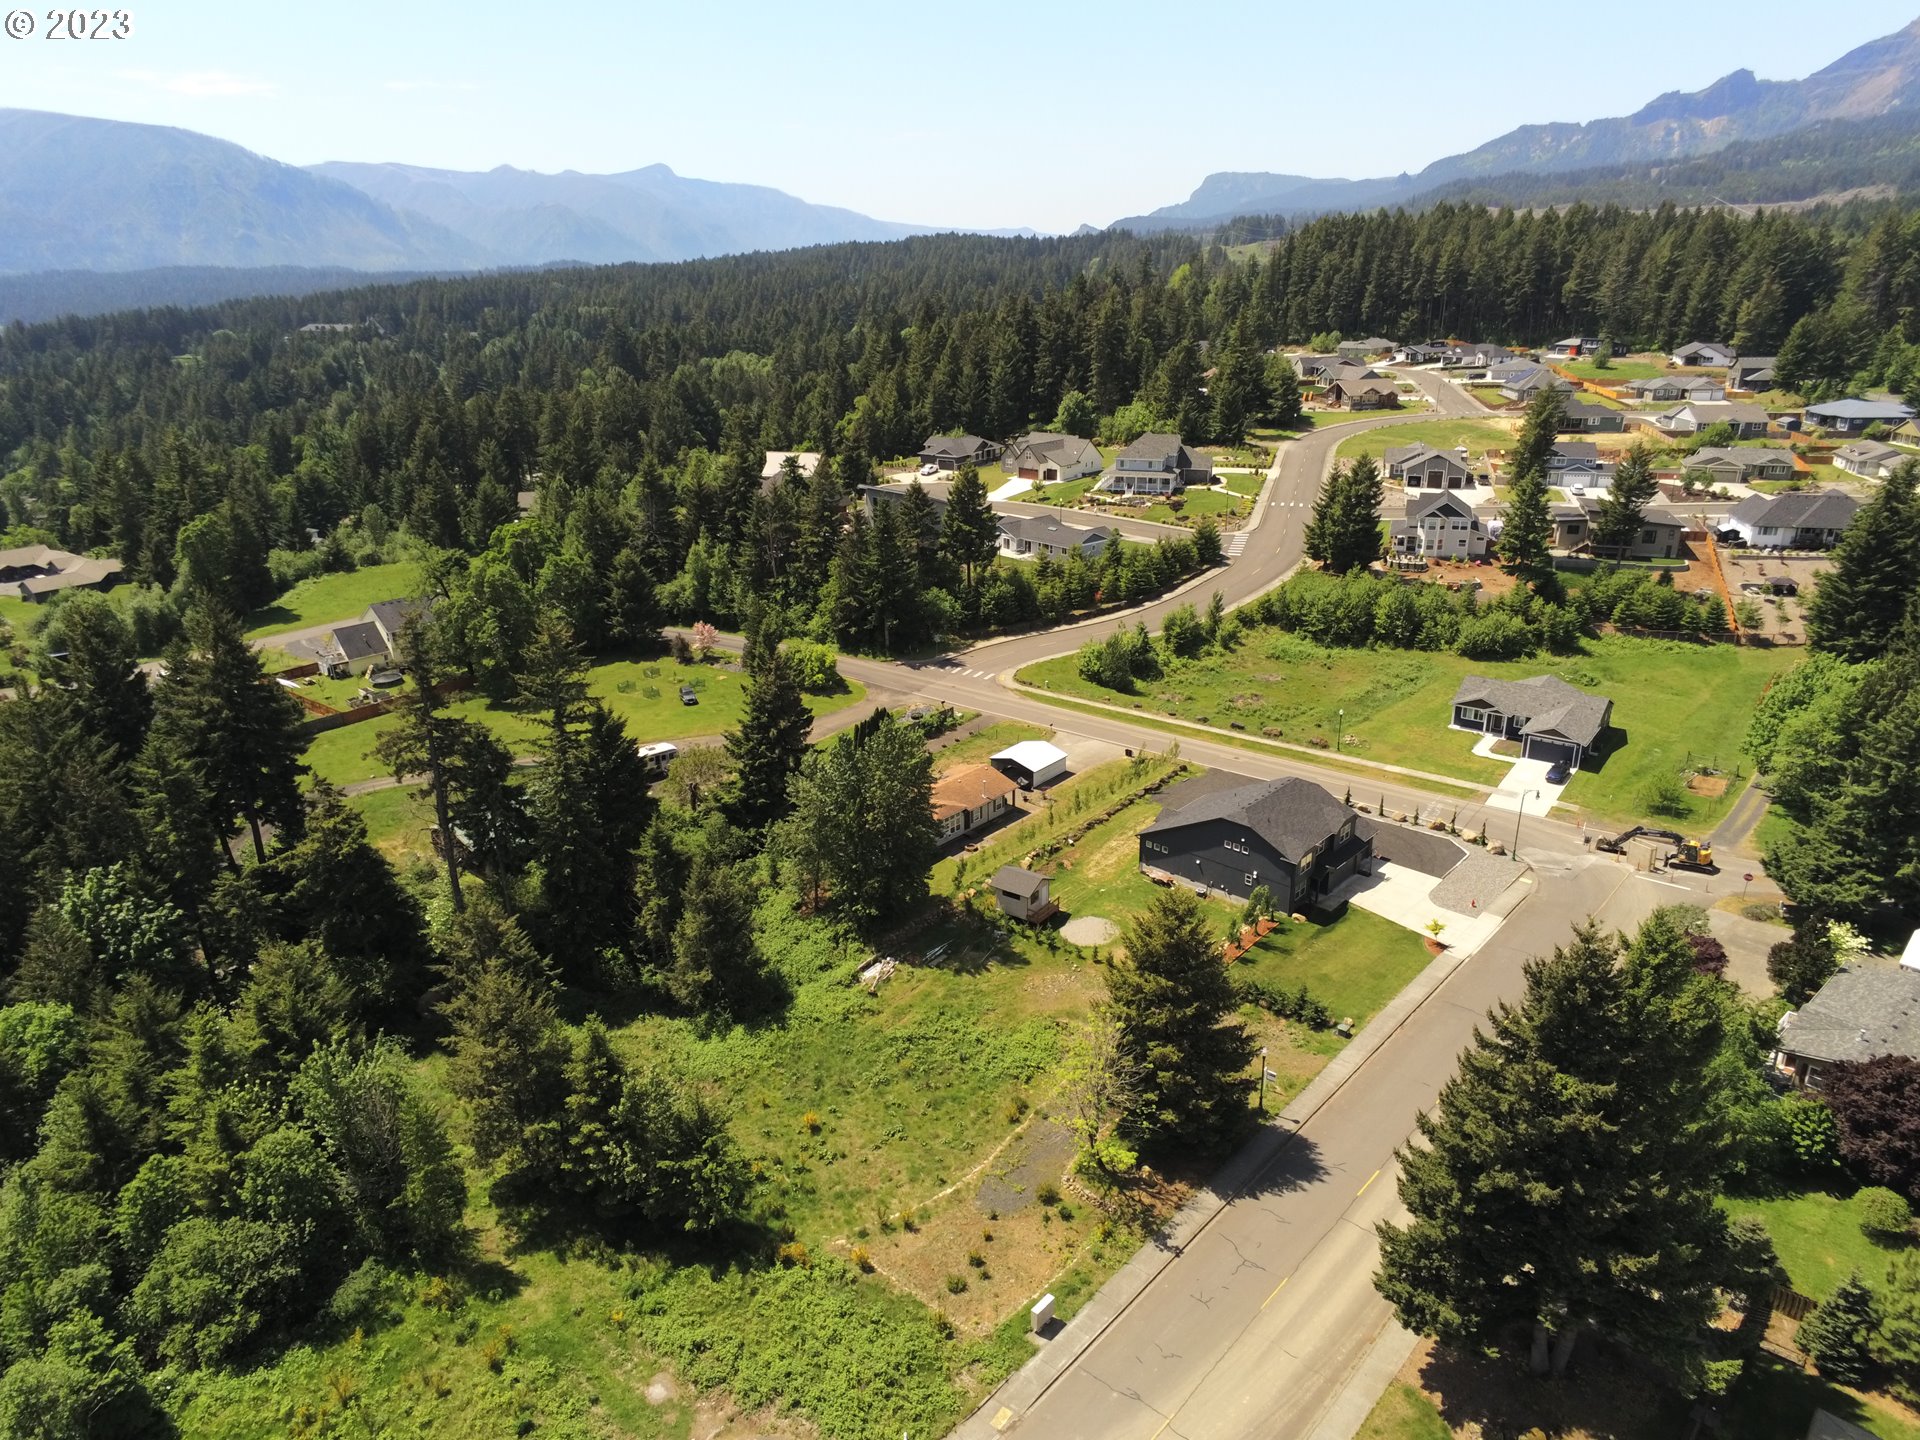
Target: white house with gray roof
(1155, 464)
(1666, 388)
(1036, 537)
(1422, 467)
(1869, 459)
(1438, 526)
(1749, 422)
(1863, 1012)
(1740, 464)
(1792, 520)
(1046, 458)
(1551, 719)
(950, 452)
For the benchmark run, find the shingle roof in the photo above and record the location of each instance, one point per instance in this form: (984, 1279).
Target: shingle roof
(968, 788)
(1747, 457)
(1421, 454)
(1857, 409)
(808, 461)
(1576, 450)
(1872, 452)
(1427, 501)
(393, 616)
(1154, 445)
(1292, 815)
(1543, 702)
(1016, 881)
(958, 447)
(1797, 510)
(90, 571)
(359, 640)
(1858, 1014)
(1044, 529)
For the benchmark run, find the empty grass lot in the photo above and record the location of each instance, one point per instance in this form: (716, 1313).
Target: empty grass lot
(644, 693)
(1818, 1238)
(1618, 372)
(341, 596)
(1476, 435)
(1673, 704)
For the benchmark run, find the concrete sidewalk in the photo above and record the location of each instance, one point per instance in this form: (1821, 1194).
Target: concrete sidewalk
(1022, 1390)
(1405, 896)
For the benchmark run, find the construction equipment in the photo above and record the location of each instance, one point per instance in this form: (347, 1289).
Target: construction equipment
(1685, 855)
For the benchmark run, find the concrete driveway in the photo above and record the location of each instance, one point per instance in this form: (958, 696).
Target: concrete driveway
(1524, 783)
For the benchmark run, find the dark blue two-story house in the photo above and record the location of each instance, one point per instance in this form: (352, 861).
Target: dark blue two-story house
(1288, 835)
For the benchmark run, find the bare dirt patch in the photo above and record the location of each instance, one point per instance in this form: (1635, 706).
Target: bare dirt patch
(1089, 930)
(1039, 1159)
(1711, 786)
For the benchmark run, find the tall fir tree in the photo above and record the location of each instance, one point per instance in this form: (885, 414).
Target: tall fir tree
(969, 533)
(1839, 1330)
(422, 744)
(1526, 533)
(1176, 1012)
(1624, 508)
(1859, 603)
(767, 748)
(1344, 532)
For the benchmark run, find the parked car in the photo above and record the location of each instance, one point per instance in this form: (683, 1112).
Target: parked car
(1558, 772)
(689, 696)
(929, 469)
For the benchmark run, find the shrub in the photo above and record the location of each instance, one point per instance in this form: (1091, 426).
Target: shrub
(862, 1261)
(976, 1260)
(956, 1284)
(1665, 795)
(1883, 1214)
(815, 666)
(810, 1122)
(369, 1296)
(1813, 1136)
(1064, 1211)
(1048, 1194)
(793, 1253)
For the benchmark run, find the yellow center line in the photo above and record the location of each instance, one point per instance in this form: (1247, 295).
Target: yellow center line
(1276, 1290)
(1163, 1425)
(1370, 1179)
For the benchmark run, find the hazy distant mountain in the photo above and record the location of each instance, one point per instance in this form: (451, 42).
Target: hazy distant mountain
(1874, 79)
(83, 194)
(49, 293)
(525, 217)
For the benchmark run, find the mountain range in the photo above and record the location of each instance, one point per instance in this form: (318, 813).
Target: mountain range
(1874, 79)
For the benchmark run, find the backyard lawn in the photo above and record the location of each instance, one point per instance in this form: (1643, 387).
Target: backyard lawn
(1675, 705)
(343, 595)
(1476, 435)
(644, 693)
(1818, 1238)
(1356, 965)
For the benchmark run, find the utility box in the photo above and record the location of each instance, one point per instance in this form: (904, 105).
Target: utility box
(1042, 1314)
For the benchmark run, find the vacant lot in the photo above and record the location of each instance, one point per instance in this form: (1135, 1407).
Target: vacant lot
(1675, 705)
(1478, 436)
(1618, 372)
(341, 596)
(644, 693)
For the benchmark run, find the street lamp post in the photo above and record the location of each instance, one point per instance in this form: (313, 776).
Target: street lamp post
(1264, 1072)
(1340, 730)
(1515, 857)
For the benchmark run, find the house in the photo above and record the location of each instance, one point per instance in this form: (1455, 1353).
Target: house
(1421, 467)
(1155, 464)
(1361, 393)
(1669, 388)
(1573, 347)
(950, 452)
(896, 493)
(1825, 1425)
(1577, 464)
(967, 798)
(1869, 459)
(1439, 526)
(1583, 417)
(1749, 422)
(1851, 416)
(774, 467)
(1031, 763)
(392, 617)
(1524, 382)
(1751, 373)
(1023, 895)
(1794, 520)
(1034, 537)
(1863, 1012)
(353, 650)
(1551, 719)
(1456, 356)
(1740, 464)
(1316, 369)
(38, 572)
(1908, 434)
(1288, 835)
(1431, 353)
(1361, 349)
(1045, 458)
(1704, 352)
(1659, 537)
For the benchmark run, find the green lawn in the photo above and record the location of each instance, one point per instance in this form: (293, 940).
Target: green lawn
(1617, 372)
(644, 693)
(1247, 485)
(340, 596)
(1403, 1413)
(1489, 396)
(1195, 504)
(1355, 965)
(1818, 1238)
(1776, 1401)
(1673, 703)
(1441, 434)
(1064, 493)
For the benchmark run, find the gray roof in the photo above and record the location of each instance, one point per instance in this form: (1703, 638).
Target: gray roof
(1291, 815)
(958, 447)
(1061, 449)
(1863, 1011)
(393, 616)
(1825, 1425)
(1544, 703)
(1420, 454)
(1155, 445)
(1365, 385)
(1856, 409)
(359, 640)
(1576, 450)
(1797, 510)
(1712, 412)
(1045, 529)
(1871, 451)
(1427, 501)
(1581, 409)
(1015, 881)
(1747, 457)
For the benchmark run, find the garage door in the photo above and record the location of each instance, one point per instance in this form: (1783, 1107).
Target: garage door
(1549, 750)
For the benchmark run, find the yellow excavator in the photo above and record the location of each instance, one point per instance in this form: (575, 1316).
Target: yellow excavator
(1686, 855)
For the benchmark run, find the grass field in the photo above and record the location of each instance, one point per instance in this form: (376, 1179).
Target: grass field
(1616, 372)
(1403, 1413)
(1197, 503)
(1064, 493)
(1776, 1401)
(1247, 485)
(1673, 704)
(1818, 1238)
(1477, 436)
(644, 693)
(1489, 396)
(340, 596)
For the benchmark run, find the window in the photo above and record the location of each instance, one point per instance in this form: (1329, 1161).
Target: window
(1471, 716)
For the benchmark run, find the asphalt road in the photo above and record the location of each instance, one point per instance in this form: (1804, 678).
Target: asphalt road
(1255, 1328)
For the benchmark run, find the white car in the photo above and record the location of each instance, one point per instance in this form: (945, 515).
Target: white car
(929, 469)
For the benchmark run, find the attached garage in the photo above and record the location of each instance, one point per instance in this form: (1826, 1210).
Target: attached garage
(1541, 747)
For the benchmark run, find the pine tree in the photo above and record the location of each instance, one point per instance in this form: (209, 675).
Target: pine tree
(100, 669)
(1285, 409)
(1625, 507)
(767, 748)
(1859, 603)
(1526, 530)
(1896, 1331)
(1539, 433)
(717, 967)
(1567, 1179)
(1344, 533)
(1836, 1334)
(969, 533)
(422, 742)
(1175, 1007)
(509, 1066)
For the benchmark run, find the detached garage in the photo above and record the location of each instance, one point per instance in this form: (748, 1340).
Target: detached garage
(1031, 764)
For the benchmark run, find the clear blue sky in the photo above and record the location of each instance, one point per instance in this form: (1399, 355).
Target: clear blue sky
(985, 114)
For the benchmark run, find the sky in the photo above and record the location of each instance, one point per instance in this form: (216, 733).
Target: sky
(1044, 114)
